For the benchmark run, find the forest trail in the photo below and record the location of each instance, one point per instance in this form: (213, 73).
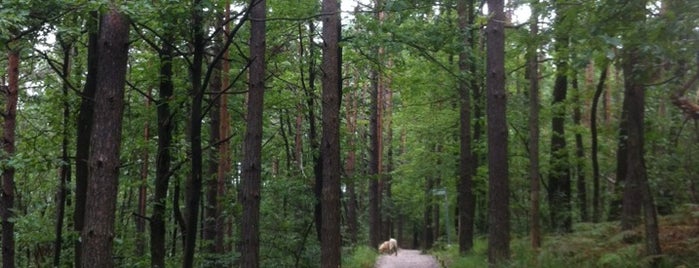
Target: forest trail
(407, 258)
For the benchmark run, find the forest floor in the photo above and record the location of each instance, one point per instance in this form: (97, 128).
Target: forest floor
(407, 258)
(597, 245)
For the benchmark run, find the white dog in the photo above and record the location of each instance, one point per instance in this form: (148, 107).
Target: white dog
(389, 247)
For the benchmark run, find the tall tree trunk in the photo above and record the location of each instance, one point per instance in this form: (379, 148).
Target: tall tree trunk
(224, 155)
(350, 165)
(252, 158)
(632, 201)
(374, 162)
(331, 241)
(194, 182)
(312, 130)
(534, 103)
(621, 164)
(142, 189)
(103, 162)
(581, 184)
(162, 169)
(467, 206)
(596, 204)
(498, 190)
(8, 146)
(84, 131)
(209, 229)
(376, 144)
(559, 189)
(65, 170)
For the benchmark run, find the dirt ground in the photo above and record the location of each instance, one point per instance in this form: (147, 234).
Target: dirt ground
(407, 258)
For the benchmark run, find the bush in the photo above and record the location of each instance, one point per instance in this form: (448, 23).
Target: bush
(360, 257)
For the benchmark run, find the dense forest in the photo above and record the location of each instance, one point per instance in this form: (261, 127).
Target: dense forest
(298, 133)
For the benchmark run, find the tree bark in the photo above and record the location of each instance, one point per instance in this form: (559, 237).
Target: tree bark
(559, 188)
(498, 190)
(466, 200)
(596, 204)
(194, 182)
(534, 107)
(581, 184)
(163, 157)
(330, 144)
(252, 158)
(84, 131)
(376, 145)
(103, 162)
(65, 170)
(8, 146)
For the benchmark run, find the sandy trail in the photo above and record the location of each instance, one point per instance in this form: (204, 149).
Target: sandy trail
(407, 258)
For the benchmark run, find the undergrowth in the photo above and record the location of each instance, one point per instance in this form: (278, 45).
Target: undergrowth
(360, 257)
(594, 245)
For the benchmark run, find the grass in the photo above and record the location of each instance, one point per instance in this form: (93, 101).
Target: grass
(360, 257)
(595, 245)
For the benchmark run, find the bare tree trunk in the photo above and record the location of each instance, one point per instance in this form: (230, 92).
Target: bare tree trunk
(251, 167)
(194, 182)
(498, 190)
(331, 241)
(142, 189)
(350, 164)
(534, 103)
(84, 131)
(103, 163)
(376, 146)
(162, 169)
(559, 188)
(65, 170)
(466, 200)
(596, 202)
(8, 146)
(581, 184)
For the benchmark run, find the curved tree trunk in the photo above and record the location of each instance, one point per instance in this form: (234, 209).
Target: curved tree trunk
(596, 204)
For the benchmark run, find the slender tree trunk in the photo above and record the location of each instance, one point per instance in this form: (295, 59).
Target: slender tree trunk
(84, 132)
(559, 189)
(142, 189)
(498, 190)
(428, 231)
(103, 163)
(209, 229)
(162, 169)
(8, 146)
(632, 202)
(534, 103)
(252, 159)
(581, 184)
(376, 145)
(194, 182)
(374, 162)
(350, 164)
(330, 145)
(65, 169)
(596, 204)
(224, 155)
(467, 206)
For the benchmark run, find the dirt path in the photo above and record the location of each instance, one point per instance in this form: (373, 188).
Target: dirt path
(407, 258)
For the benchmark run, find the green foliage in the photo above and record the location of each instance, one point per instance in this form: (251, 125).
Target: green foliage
(359, 257)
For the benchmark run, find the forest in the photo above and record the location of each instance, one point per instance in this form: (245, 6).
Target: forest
(304, 133)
